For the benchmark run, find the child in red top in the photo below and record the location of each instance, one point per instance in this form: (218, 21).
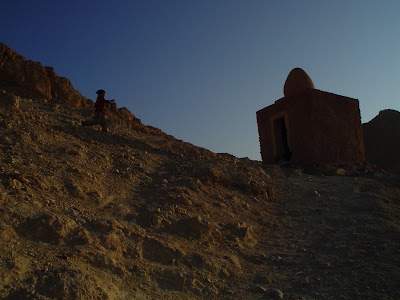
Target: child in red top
(99, 113)
(100, 102)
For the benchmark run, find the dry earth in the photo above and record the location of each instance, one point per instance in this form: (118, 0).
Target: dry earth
(138, 214)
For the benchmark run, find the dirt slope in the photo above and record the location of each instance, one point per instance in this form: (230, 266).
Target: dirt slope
(137, 214)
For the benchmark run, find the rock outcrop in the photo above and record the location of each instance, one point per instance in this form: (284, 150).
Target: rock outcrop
(382, 140)
(21, 78)
(28, 78)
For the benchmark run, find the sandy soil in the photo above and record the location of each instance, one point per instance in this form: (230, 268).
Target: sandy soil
(138, 214)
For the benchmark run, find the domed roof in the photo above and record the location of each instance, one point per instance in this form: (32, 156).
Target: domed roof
(297, 82)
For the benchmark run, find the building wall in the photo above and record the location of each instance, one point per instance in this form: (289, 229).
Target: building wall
(337, 128)
(299, 132)
(321, 127)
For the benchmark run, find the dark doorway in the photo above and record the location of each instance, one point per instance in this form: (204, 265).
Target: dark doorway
(281, 141)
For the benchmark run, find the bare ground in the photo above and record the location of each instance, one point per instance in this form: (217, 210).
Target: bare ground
(137, 214)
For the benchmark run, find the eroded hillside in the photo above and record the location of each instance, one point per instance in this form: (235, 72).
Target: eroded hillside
(137, 214)
(126, 210)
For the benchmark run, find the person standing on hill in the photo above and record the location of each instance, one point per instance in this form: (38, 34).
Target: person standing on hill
(99, 113)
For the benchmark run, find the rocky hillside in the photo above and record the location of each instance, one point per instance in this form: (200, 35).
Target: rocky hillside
(382, 140)
(30, 79)
(138, 214)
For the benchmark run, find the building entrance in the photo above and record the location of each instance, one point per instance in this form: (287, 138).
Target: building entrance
(282, 150)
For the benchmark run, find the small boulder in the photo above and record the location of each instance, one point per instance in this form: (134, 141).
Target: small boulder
(9, 101)
(192, 227)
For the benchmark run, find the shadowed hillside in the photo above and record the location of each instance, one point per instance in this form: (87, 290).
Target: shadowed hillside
(138, 214)
(382, 140)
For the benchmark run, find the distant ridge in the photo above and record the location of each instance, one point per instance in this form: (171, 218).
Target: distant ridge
(382, 140)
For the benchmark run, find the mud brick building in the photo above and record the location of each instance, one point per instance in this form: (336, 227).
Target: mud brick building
(309, 125)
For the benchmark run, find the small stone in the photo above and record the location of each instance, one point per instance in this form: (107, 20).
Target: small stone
(228, 291)
(10, 101)
(22, 179)
(37, 204)
(341, 172)
(225, 273)
(276, 294)
(157, 220)
(3, 196)
(186, 201)
(16, 184)
(260, 289)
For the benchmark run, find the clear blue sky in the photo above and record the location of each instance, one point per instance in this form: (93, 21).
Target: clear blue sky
(200, 69)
